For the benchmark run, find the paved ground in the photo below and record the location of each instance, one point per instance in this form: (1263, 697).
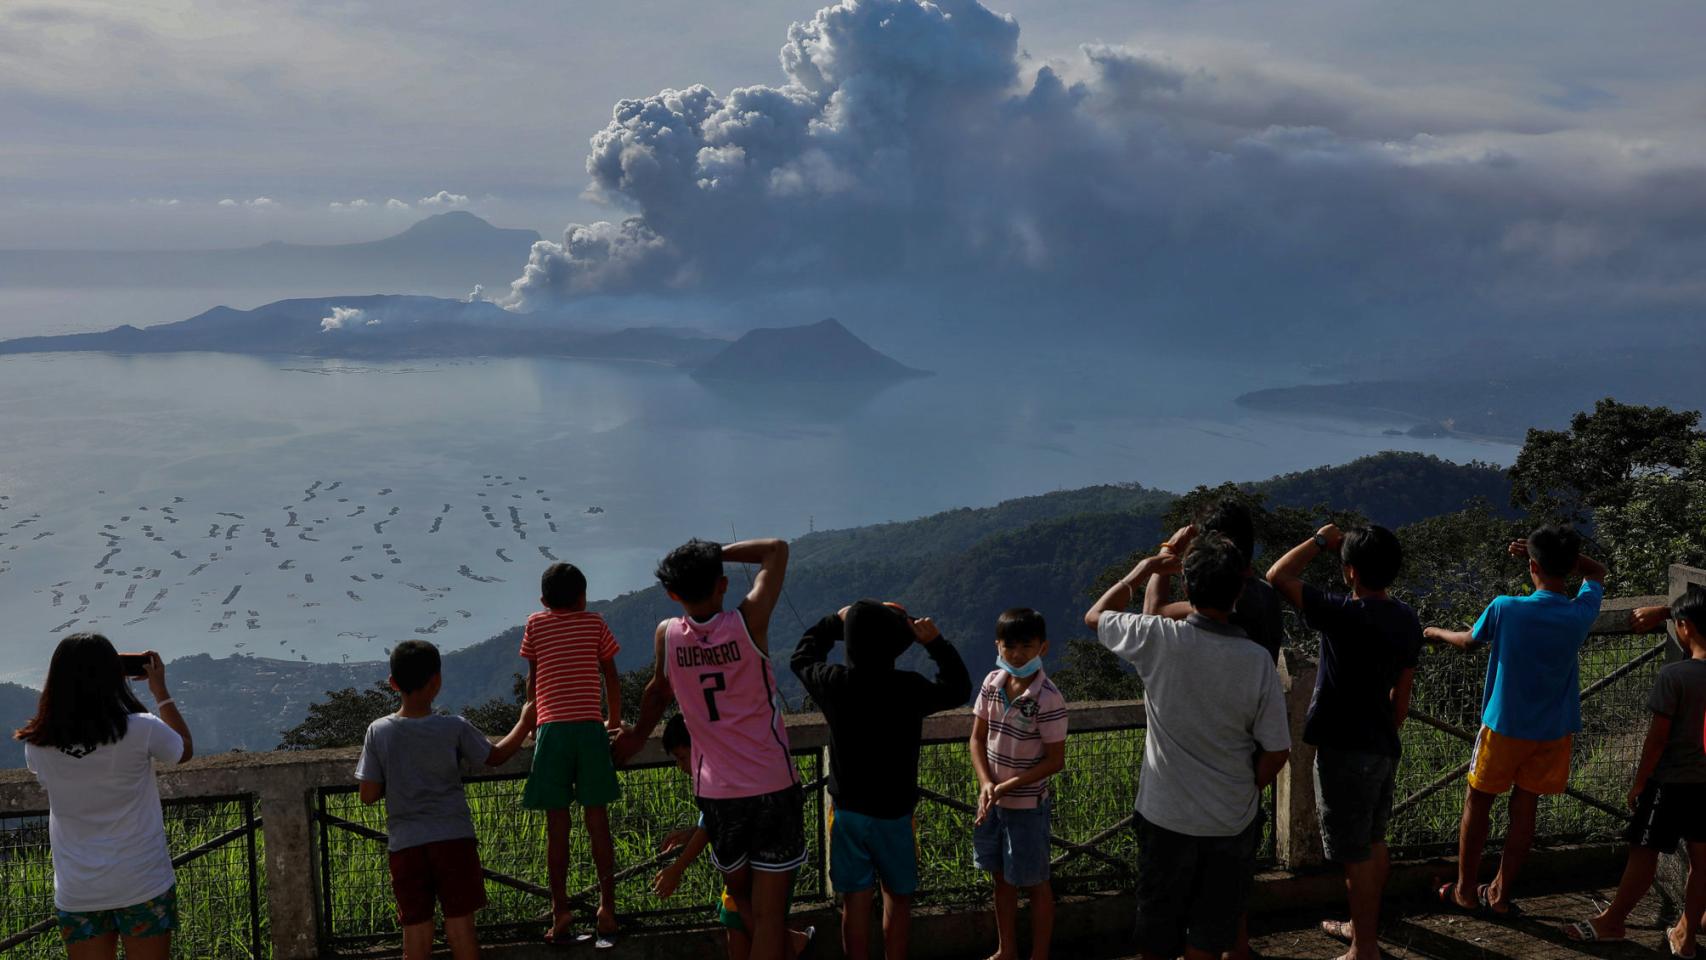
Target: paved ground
(1534, 934)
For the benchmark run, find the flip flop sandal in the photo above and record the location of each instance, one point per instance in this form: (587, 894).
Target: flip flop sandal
(1446, 894)
(811, 939)
(1482, 895)
(599, 941)
(1582, 931)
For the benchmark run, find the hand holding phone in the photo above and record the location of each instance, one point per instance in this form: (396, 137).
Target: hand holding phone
(134, 665)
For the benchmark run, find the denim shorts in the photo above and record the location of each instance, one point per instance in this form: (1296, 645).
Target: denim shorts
(150, 918)
(862, 849)
(1014, 843)
(1353, 795)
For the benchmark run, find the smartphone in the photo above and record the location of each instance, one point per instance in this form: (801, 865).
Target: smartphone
(134, 665)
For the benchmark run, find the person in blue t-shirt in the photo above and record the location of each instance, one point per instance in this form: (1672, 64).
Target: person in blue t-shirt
(1531, 706)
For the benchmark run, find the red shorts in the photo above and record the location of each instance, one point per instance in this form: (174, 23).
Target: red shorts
(446, 873)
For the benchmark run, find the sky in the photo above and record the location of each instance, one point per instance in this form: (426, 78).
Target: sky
(1381, 155)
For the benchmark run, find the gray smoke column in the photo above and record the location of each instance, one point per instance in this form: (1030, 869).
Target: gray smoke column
(915, 143)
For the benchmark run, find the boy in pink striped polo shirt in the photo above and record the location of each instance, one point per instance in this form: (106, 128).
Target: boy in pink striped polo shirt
(1018, 741)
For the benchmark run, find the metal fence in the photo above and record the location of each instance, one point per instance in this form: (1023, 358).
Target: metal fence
(1093, 840)
(216, 852)
(357, 908)
(1617, 674)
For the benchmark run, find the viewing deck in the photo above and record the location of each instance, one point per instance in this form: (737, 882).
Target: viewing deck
(277, 857)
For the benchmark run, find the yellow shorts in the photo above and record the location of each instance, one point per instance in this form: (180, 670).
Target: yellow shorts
(1537, 766)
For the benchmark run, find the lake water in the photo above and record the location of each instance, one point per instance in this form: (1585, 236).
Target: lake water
(322, 509)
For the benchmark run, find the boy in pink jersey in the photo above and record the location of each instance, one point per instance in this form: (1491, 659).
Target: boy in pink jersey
(715, 663)
(571, 655)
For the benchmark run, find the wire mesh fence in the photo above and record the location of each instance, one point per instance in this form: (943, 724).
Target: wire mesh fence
(216, 849)
(1617, 674)
(358, 908)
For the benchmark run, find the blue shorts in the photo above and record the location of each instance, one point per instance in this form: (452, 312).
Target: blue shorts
(1014, 843)
(862, 849)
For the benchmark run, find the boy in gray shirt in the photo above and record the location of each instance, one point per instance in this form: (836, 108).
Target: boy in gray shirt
(1217, 735)
(414, 759)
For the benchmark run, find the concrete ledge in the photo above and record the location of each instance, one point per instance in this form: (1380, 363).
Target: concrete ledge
(1100, 925)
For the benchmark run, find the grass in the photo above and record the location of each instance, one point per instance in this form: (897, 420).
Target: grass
(1094, 793)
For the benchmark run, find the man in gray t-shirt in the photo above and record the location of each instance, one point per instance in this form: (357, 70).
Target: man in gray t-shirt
(1217, 734)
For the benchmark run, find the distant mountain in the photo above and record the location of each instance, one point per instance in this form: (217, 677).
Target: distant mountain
(453, 250)
(1465, 398)
(822, 352)
(382, 327)
(962, 567)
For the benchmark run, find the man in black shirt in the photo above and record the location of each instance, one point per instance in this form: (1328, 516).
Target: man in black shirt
(876, 720)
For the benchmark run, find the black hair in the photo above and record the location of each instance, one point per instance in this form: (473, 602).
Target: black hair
(1021, 624)
(562, 586)
(1555, 548)
(1214, 573)
(1231, 519)
(691, 571)
(675, 735)
(1691, 606)
(1375, 553)
(413, 664)
(86, 701)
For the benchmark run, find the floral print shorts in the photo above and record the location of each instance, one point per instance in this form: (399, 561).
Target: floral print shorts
(150, 919)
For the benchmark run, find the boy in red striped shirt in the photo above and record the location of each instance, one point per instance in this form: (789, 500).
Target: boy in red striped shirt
(571, 655)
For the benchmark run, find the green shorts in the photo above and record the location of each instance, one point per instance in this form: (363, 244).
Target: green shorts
(151, 918)
(571, 763)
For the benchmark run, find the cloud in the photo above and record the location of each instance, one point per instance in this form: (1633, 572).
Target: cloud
(395, 204)
(349, 206)
(343, 317)
(228, 202)
(914, 144)
(444, 198)
(262, 203)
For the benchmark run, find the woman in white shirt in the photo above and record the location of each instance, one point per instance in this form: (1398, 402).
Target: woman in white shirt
(92, 745)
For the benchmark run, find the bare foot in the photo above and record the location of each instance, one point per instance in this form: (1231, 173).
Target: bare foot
(1681, 944)
(1337, 929)
(561, 928)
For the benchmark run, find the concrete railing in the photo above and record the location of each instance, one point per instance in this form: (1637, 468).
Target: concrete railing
(285, 785)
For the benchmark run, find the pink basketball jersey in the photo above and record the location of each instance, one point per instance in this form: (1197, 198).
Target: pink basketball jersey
(728, 697)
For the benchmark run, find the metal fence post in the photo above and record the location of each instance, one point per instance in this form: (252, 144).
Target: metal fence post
(287, 823)
(1297, 831)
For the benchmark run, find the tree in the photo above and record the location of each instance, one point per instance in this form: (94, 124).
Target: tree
(1662, 521)
(498, 715)
(341, 719)
(1090, 671)
(1569, 474)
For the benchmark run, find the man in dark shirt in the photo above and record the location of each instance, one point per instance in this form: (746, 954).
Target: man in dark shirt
(876, 721)
(1257, 611)
(1369, 646)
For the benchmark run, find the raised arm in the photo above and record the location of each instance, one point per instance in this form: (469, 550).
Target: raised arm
(1119, 596)
(952, 686)
(657, 697)
(1286, 575)
(812, 652)
(1590, 569)
(512, 741)
(154, 669)
(772, 559)
(1647, 619)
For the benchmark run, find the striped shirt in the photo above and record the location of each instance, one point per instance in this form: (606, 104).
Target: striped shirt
(1018, 730)
(565, 648)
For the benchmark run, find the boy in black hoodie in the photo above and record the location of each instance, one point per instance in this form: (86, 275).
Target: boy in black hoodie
(876, 721)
